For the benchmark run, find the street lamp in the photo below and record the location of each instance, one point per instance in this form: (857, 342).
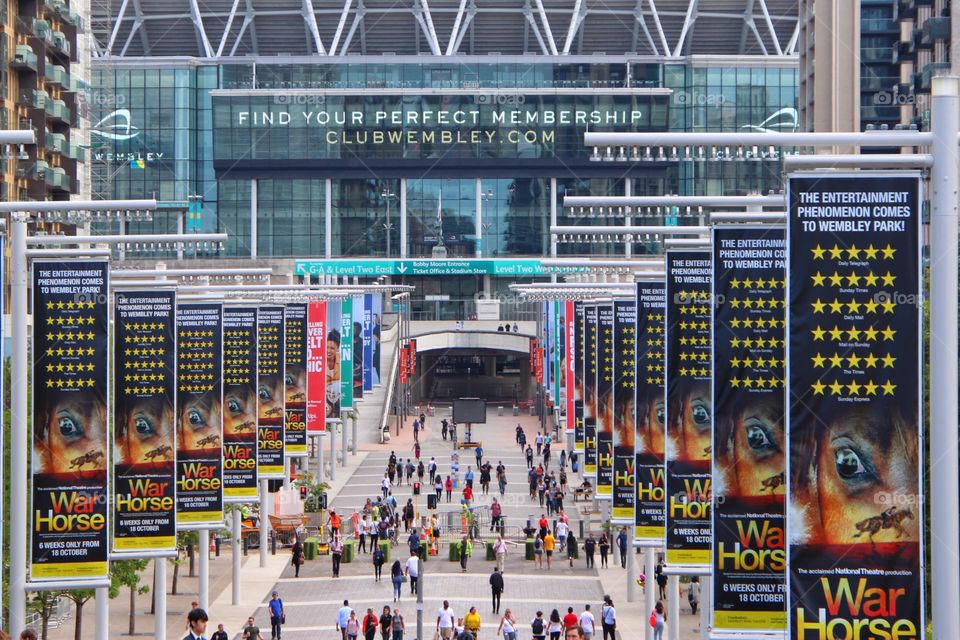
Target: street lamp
(388, 195)
(482, 196)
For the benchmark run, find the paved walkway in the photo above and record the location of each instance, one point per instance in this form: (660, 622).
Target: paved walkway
(313, 599)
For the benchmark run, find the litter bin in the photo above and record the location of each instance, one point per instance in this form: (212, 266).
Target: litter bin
(310, 548)
(500, 410)
(349, 550)
(491, 554)
(385, 547)
(532, 410)
(516, 410)
(455, 551)
(528, 549)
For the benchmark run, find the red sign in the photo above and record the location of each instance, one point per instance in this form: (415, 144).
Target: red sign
(533, 356)
(538, 359)
(316, 365)
(412, 362)
(404, 354)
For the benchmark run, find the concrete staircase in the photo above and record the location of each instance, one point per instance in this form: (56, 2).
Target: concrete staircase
(370, 409)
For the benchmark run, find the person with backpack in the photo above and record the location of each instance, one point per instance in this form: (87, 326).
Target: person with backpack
(378, 560)
(432, 469)
(658, 620)
(608, 619)
(538, 627)
(397, 625)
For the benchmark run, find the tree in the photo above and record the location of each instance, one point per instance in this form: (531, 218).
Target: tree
(80, 597)
(126, 573)
(44, 603)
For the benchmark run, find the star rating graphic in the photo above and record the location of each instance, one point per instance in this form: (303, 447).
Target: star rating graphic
(853, 252)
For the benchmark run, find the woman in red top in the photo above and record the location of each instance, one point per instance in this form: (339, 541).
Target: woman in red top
(468, 494)
(448, 486)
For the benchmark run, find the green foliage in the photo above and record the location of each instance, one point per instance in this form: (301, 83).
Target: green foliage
(126, 573)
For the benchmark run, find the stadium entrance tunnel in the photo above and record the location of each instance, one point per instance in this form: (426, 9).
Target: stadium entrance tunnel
(492, 365)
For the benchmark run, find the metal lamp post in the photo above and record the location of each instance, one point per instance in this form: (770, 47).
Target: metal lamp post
(388, 195)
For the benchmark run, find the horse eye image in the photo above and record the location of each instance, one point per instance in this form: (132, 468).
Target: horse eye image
(750, 442)
(70, 431)
(144, 431)
(199, 424)
(294, 382)
(691, 421)
(270, 396)
(240, 415)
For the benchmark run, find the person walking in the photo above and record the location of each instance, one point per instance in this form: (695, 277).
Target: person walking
(444, 426)
(496, 588)
(251, 631)
(538, 627)
(571, 619)
(416, 430)
(343, 616)
(549, 543)
(500, 552)
(296, 557)
(448, 487)
(219, 634)
(589, 548)
(277, 615)
(529, 455)
(369, 625)
(386, 483)
(396, 577)
(468, 477)
(608, 619)
(420, 471)
(353, 626)
(659, 618)
(502, 482)
(432, 469)
(693, 594)
(478, 452)
(622, 547)
(563, 459)
(438, 487)
(412, 569)
(604, 549)
(379, 557)
(385, 619)
(508, 626)
(538, 552)
(496, 513)
(445, 619)
(397, 625)
(466, 549)
(336, 554)
(471, 623)
(661, 580)
(555, 626)
(587, 623)
(563, 529)
(539, 442)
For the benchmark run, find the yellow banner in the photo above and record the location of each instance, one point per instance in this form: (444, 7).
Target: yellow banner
(69, 570)
(749, 620)
(688, 556)
(149, 542)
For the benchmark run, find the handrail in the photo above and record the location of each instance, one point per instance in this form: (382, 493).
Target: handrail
(391, 385)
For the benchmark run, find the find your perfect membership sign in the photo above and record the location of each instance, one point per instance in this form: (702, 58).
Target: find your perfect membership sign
(69, 526)
(854, 425)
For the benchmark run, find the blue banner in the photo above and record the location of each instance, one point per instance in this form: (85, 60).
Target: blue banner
(367, 341)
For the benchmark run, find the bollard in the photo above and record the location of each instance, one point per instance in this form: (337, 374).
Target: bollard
(216, 545)
(273, 544)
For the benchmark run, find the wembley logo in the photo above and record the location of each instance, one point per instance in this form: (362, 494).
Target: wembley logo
(784, 120)
(116, 126)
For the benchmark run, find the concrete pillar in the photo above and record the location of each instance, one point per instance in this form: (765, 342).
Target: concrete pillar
(673, 608)
(650, 587)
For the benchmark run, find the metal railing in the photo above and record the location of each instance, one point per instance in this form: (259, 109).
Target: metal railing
(391, 387)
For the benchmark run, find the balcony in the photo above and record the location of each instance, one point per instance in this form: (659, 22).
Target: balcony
(61, 43)
(77, 152)
(903, 52)
(929, 71)
(56, 142)
(35, 27)
(56, 74)
(904, 10)
(57, 178)
(24, 58)
(34, 98)
(58, 110)
(935, 29)
(67, 14)
(32, 170)
(878, 26)
(875, 54)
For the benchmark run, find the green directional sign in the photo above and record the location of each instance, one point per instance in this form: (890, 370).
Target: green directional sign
(427, 267)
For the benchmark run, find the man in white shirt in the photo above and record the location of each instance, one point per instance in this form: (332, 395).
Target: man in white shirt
(562, 530)
(445, 619)
(343, 616)
(412, 569)
(586, 623)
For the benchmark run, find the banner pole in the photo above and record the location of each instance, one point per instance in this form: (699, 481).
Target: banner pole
(103, 613)
(673, 607)
(160, 591)
(944, 494)
(204, 536)
(706, 606)
(264, 522)
(236, 550)
(631, 573)
(19, 441)
(649, 593)
(332, 428)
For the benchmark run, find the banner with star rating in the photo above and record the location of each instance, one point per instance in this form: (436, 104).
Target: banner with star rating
(605, 401)
(144, 428)
(270, 395)
(590, 391)
(69, 480)
(624, 418)
(749, 444)
(649, 409)
(295, 381)
(240, 404)
(569, 338)
(689, 415)
(317, 357)
(854, 425)
(576, 357)
(199, 414)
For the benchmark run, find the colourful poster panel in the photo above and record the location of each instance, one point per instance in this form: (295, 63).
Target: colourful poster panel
(334, 373)
(650, 411)
(346, 355)
(605, 401)
(358, 352)
(240, 404)
(270, 392)
(295, 381)
(624, 418)
(590, 391)
(317, 360)
(367, 342)
(689, 412)
(569, 340)
(854, 366)
(144, 444)
(576, 357)
(749, 443)
(199, 415)
(375, 328)
(69, 480)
